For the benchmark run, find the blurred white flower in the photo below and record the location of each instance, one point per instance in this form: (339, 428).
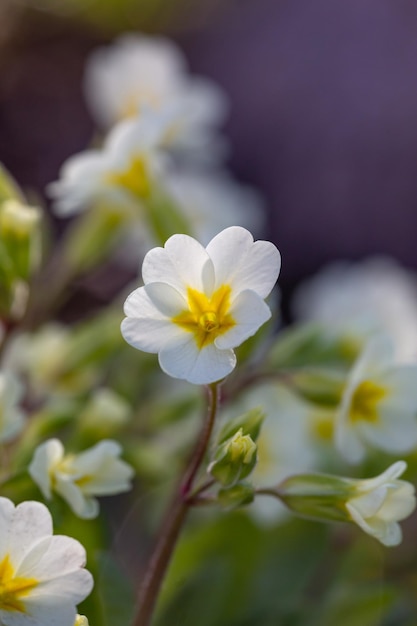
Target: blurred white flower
(78, 478)
(379, 405)
(376, 295)
(42, 577)
(214, 201)
(40, 354)
(209, 202)
(43, 358)
(12, 417)
(139, 76)
(81, 620)
(378, 504)
(120, 174)
(199, 303)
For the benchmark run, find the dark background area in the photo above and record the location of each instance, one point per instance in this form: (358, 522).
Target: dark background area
(324, 107)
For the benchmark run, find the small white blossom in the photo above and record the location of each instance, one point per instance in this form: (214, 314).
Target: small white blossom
(198, 303)
(42, 577)
(379, 405)
(120, 174)
(81, 620)
(139, 76)
(378, 504)
(356, 300)
(78, 478)
(12, 418)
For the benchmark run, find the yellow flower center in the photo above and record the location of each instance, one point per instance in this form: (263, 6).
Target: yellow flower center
(364, 405)
(207, 316)
(134, 178)
(322, 425)
(13, 588)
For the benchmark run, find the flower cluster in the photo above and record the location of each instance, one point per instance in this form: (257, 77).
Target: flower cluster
(159, 167)
(311, 409)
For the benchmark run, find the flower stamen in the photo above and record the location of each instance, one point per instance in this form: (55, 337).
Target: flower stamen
(365, 400)
(13, 588)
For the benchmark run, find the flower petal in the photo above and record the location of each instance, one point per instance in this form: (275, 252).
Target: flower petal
(249, 312)
(31, 522)
(46, 456)
(84, 506)
(44, 613)
(183, 359)
(400, 503)
(146, 328)
(347, 441)
(166, 299)
(182, 263)
(242, 263)
(52, 557)
(393, 432)
(7, 511)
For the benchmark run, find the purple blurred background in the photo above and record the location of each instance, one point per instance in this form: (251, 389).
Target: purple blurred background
(324, 113)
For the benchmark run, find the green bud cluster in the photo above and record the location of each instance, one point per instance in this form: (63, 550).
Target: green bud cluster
(20, 247)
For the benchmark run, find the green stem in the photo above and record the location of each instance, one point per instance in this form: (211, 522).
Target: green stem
(176, 514)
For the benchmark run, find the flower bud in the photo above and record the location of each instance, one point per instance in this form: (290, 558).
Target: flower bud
(104, 414)
(20, 236)
(234, 459)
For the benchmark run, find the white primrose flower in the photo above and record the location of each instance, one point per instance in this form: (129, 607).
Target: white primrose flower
(12, 418)
(42, 577)
(379, 405)
(360, 299)
(120, 174)
(199, 303)
(140, 76)
(81, 620)
(78, 478)
(378, 504)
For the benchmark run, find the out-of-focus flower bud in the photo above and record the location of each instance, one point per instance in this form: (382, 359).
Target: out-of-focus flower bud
(20, 236)
(104, 415)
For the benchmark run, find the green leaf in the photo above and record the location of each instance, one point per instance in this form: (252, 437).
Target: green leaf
(356, 606)
(114, 591)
